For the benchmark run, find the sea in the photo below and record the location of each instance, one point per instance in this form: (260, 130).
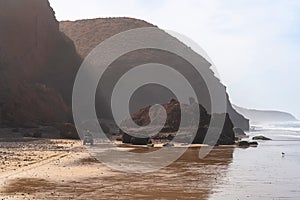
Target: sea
(269, 171)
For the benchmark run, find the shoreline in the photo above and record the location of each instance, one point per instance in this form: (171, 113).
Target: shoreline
(63, 169)
(72, 173)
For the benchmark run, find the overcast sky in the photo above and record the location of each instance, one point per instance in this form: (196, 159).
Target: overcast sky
(255, 44)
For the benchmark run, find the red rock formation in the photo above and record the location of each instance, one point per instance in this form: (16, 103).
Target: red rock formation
(87, 34)
(173, 121)
(38, 64)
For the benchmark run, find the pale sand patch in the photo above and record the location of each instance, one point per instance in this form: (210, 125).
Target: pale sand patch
(47, 167)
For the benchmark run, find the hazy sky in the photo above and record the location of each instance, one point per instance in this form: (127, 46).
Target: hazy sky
(255, 44)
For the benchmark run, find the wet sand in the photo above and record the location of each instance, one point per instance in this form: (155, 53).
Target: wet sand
(71, 173)
(63, 169)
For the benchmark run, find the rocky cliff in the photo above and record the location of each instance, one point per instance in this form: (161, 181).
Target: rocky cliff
(87, 34)
(174, 111)
(38, 64)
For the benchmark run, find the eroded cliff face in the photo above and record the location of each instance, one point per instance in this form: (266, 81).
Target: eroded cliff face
(87, 34)
(38, 64)
(174, 111)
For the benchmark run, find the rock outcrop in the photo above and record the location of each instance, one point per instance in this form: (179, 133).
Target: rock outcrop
(38, 64)
(260, 137)
(87, 34)
(173, 121)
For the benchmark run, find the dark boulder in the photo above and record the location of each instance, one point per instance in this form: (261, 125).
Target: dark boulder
(168, 145)
(253, 143)
(128, 139)
(243, 144)
(260, 137)
(247, 144)
(140, 141)
(173, 121)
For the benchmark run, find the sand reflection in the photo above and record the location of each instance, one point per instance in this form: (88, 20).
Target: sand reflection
(187, 178)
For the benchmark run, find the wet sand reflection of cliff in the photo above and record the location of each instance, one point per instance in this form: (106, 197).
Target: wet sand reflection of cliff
(187, 178)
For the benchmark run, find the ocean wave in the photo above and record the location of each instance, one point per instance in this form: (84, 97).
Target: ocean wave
(283, 126)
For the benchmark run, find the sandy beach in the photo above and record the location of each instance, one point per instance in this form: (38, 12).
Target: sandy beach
(63, 169)
(40, 168)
